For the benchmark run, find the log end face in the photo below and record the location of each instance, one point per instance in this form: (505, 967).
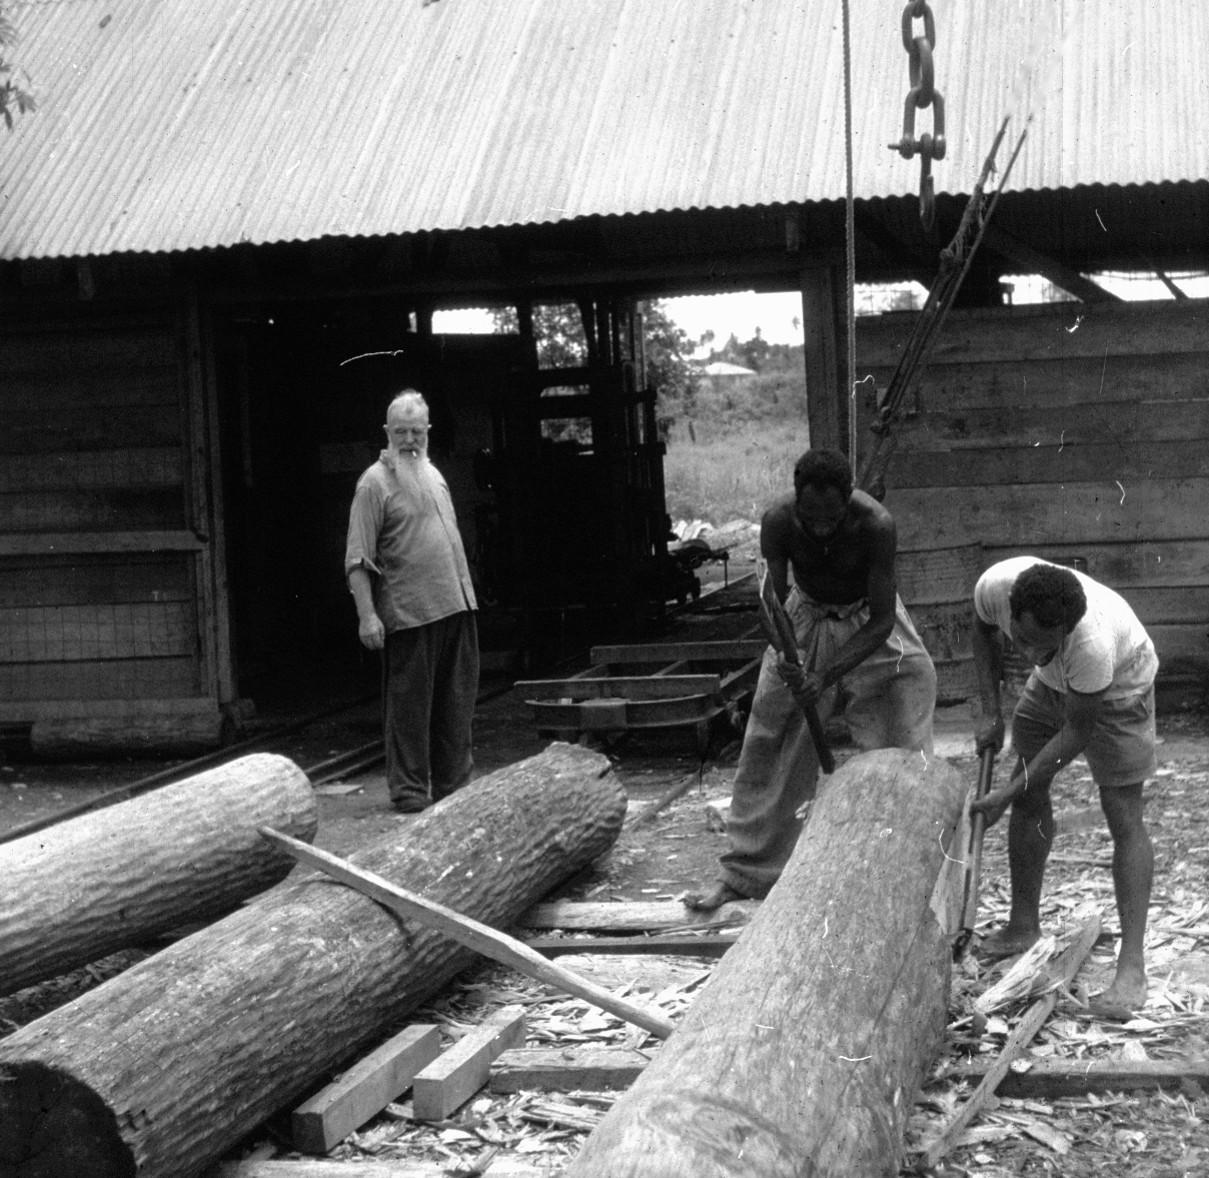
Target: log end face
(51, 1125)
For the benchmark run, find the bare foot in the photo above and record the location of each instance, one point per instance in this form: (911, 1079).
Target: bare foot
(721, 893)
(1126, 994)
(1006, 943)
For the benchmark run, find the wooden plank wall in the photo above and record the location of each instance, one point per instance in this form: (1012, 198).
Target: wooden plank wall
(98, 603)
(1065, 430)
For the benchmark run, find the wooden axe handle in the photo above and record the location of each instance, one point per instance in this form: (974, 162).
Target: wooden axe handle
(978, 825)
(778, 629)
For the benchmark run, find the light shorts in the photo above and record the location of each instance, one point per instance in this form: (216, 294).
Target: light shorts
(1121, 748)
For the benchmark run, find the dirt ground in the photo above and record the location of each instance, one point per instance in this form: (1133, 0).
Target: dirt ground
(1147, 1135)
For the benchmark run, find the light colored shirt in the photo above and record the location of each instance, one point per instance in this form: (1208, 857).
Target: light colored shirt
(403, 529)
(1108, 649)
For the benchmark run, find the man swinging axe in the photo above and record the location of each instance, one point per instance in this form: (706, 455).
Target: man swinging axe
(853, 634)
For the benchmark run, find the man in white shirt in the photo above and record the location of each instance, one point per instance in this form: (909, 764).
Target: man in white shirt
(1091, 691)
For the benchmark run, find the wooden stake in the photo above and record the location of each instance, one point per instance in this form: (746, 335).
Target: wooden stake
(1061, 973)
(471, 933)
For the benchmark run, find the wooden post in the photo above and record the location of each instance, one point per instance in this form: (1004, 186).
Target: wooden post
(163, 1068)
(825, 353)
(805, 1050)
(182, 853)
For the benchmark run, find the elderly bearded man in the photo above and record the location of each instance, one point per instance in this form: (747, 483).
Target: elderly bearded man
(408, 574)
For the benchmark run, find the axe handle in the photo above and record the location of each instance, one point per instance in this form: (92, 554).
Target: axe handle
(978, 825)
(778, 629)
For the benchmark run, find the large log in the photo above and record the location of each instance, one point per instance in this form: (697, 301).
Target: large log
(163, 1068)
(183, 853)
(806, 1047)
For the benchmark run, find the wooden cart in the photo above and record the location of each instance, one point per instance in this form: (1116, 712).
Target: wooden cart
(621, 692)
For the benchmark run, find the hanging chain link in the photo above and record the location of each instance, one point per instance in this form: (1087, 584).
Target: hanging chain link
(920, 96)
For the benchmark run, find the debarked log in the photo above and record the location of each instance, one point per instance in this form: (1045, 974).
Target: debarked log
(163, 1068)
(183, 853)
(803, 1054)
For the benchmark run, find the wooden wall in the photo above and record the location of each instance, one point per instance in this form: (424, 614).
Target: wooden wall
(104, 590)
(1065, 430)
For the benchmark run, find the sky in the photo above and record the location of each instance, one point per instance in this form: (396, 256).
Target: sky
(778, 316)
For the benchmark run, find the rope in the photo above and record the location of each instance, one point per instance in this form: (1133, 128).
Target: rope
(850, 243)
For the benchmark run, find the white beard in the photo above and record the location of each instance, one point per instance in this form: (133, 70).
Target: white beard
(404, 463)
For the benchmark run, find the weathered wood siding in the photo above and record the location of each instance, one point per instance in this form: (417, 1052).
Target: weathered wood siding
(1066, 430)
(102, 585)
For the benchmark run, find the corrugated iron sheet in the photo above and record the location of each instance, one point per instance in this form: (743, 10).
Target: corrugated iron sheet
(170, 125)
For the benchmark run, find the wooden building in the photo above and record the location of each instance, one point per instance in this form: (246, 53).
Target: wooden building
(210, 286)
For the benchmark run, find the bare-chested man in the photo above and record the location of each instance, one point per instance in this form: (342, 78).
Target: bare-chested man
(854, 635)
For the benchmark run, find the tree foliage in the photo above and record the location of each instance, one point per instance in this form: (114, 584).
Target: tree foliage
(668, 349)
(562, 342)
(13, 97)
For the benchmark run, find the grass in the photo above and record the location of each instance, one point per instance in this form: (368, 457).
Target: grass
(735, 454)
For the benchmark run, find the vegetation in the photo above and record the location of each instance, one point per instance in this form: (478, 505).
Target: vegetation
(734, 454)
(562, 343)
(13, 98)
(731, 441)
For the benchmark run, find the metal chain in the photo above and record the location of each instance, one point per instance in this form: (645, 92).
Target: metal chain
(920, 96)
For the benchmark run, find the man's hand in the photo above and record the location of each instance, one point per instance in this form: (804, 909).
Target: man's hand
(806, 686)
(993, 805)
(988, 734)
(371, 632)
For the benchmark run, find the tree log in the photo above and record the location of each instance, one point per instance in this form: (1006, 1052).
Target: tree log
(163, 1068)
(804, 1052)
(111, 878)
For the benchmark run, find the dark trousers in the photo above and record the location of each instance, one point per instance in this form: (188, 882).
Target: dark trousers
(430, 680)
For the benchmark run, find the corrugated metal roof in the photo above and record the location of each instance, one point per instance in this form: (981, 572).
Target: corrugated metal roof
(172, 124)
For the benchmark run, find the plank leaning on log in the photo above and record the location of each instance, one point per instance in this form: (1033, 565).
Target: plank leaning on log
(164, 1067)
(805, 1049)
(472, 933)
(186, 852)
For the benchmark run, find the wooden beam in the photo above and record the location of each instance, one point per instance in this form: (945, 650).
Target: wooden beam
(1049, 1079)
(364, 1090)
(634, 916)
(562, 1069)
(457, 1074)
(708, 945)
(58, 543)
(330, 1168)
(619, 687)
(325, 1168)
(920, 267)
(1031, 261)
(48, 709)
(730, 650)
(825, 354)
(83, 738)
(1061, 974)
